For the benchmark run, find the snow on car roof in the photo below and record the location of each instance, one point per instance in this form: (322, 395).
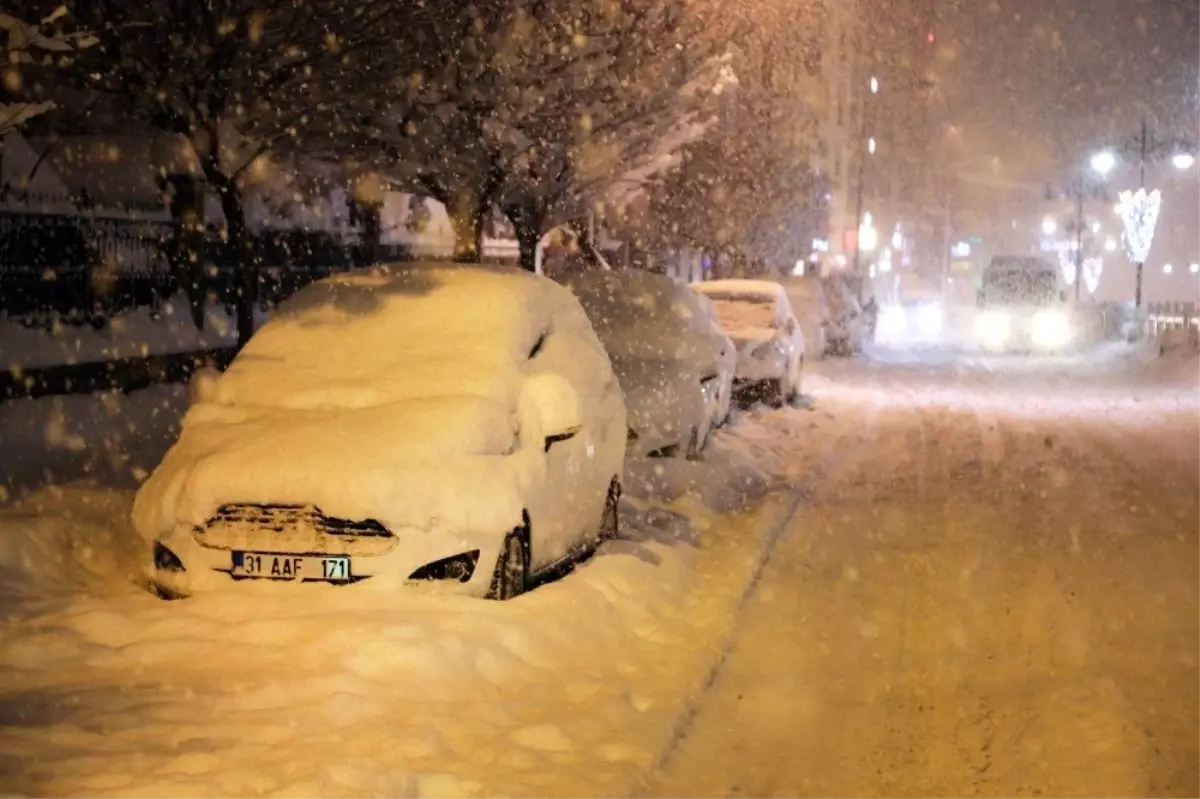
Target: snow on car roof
(403, 331)
(758, 289)
(640, 314)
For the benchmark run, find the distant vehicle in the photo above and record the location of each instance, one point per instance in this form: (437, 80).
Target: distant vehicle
(420, 423)
(809, 304)
(849, 327)
(674, 364)
(757, 315)
(1022, 306)
(915, 315)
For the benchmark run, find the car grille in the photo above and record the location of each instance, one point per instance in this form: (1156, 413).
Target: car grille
(292, 529)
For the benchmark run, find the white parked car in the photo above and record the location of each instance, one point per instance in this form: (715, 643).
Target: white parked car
(451, 424)
(807, 296)
(667, 355)
(758, 317)
(718, 390)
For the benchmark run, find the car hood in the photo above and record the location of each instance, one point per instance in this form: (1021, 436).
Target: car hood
(407, 464)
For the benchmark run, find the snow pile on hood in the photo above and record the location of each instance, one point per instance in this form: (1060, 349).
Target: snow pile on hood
(389, 393)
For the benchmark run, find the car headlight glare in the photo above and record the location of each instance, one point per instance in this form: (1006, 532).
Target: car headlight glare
(1051, 329)
(994, 327)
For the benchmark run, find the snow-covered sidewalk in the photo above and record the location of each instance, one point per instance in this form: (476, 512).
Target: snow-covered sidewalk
(575, 686)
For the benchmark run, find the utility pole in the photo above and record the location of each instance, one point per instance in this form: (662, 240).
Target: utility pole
(1139, 267)
(1078, 238)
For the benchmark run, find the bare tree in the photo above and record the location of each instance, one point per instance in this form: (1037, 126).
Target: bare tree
(237, 79)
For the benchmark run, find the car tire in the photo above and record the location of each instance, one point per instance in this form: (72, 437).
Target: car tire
(695, 447)
(511, 577)
(776, 392)
(610, 520)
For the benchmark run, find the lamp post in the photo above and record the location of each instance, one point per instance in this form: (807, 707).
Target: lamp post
(867, 144)
(1140, 211)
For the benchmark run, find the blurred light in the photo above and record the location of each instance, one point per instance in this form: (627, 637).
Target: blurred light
(1051, 329)
(871, 145)
(1194, 268)
(960, 249)
(798, 269)
(1183, 160)
(1095, 227)
(1167, 269)
(897, 240)
(868, 238)
(871, 271)
(993, 327)
(820, 245)
(1110, 244)
(1049, 226)
(1103, 162)
(874, 85)
(931, 38)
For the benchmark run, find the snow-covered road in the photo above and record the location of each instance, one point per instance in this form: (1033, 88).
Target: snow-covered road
(999, 599)
(953, 576)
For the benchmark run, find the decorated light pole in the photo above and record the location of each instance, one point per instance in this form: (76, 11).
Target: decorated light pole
(1139, 210)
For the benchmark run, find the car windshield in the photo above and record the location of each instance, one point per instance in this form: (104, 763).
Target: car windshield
(737, 311)
(1010, 285)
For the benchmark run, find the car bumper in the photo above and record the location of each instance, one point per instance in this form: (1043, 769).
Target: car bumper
(391, 561)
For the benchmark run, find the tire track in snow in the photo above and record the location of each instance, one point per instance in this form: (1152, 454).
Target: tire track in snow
(834, 461)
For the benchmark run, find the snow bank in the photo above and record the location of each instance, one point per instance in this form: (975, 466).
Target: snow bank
(578, 683)
(130, 334)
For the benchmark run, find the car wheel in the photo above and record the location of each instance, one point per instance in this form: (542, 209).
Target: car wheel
(512, 567)
(610, 519)
(695, 447)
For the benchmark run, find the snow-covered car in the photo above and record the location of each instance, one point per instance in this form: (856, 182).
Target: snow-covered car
(453, 424)
(661, 340)
(719, 390)
(756, 314)
(807, 296)
(848, 328)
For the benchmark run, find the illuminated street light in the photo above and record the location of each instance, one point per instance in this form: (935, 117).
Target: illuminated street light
(1110, 244)
(1194, 268)
(871, 145)
(1183, 160)
(1049, 226)
(874, 85)
(1095, 227)
(1167, 269)
(1103, 162)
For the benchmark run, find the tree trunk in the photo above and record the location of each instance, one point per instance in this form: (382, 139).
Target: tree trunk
(529, 221)
(466, 219)
(245, 267)
(528, 237)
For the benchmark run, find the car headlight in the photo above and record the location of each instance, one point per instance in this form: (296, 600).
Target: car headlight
(1051, 329)
(993, 327)
(929, 318)
(893, 319)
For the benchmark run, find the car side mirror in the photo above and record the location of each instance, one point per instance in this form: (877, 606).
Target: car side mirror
(202, 386)
(552, 401)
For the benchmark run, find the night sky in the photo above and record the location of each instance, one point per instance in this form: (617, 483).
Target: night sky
(1034, 82)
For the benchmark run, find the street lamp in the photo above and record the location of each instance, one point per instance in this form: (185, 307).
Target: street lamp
(1049, 226)
(871, 145)
(874, 85)
(1103, 162)
(1183, 161)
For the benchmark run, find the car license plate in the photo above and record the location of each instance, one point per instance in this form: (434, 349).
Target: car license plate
(275, 566)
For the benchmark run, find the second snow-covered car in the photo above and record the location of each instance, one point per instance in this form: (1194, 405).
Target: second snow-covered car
(758, 317)
(453, 424)
(666, 353)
